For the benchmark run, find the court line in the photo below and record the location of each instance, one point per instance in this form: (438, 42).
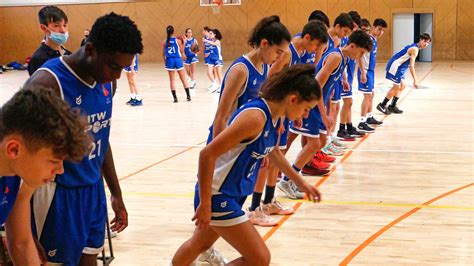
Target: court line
(461, 71)
(161, 161)
(425, 152)
(322, 180)
(371, 239)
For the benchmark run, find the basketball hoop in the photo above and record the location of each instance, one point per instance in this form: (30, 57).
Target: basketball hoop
(216, 7)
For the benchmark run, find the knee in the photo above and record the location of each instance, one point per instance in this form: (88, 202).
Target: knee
(261, 257)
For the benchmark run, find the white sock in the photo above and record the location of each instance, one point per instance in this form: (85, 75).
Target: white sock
(138, 97)
(369, 115)
(328, 139)
(363, 119)
(133, 96)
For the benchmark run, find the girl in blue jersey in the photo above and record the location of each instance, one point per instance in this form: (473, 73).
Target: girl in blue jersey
(242, 82)
(32, 152)
(215, 61)
(173, 54)
(191, 57)
(228, 167)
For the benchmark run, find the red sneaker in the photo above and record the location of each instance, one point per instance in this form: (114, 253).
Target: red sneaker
(309, 170)
(324, 157)
(317, 163)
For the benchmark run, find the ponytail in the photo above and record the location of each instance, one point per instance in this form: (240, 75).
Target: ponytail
(169, 31)
(271, 29)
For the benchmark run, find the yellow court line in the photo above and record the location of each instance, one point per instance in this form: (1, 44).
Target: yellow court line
(324, 202)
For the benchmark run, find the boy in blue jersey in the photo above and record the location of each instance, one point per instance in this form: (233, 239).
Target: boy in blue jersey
(366, 77)
(346, 129)
(70, 213)
(308, 57)
(329, 71)
(396, 70)
(32, 153)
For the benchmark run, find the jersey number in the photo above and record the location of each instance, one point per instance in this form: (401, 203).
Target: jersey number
(95, 147)
(171, 50)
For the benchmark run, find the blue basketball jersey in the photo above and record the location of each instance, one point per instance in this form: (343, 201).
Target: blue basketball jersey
(215, 52)
(172, 48)
(95, 102)
(306, 58)
(400, 61)
(330, 46)
(9, 188)
(351, 63)
(187, 47)
(335, 75)
(295, 56)
(207, 46)
(236, 171)
(369, 58)
(254, 81)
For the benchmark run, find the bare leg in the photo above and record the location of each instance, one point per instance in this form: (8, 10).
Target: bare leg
(88, 260)
(201, 240)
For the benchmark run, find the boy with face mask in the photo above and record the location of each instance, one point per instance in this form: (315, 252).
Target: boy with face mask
(54, 23)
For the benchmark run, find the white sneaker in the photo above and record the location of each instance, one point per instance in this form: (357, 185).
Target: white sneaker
(290, 189)
(275, 207)
(258, 217)
(193, 84)
(336, 142)
(213, 257)
(211, 88)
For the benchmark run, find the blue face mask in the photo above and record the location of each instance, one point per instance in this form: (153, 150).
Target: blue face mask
(58, 38)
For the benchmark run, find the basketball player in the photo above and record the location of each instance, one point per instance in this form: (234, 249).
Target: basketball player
(366, 76)
(54, 24)
(70, 213)
(228, 167)
(313, 35)
(346, 130)
(242, 82)
(343, 26)
(207, 51)
(172, 56)
(215, 61)
(132, 72)
(396, 69)
(33, 150)
(310, 58)
(191, 57)
(329, 71)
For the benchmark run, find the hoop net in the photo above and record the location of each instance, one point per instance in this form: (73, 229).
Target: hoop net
(216, 7)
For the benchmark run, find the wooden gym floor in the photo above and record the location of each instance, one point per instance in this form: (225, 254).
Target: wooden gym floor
(403, 195)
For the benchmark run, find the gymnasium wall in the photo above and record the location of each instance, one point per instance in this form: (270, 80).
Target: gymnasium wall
(453, 26)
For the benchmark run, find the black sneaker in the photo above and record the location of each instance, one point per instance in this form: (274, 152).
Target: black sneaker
(373, 121)
(383, 109)
(188, 98)
(344, 135)
(355, 133)
(394, 109)
(365, 128)
(175, 100)
(130, 101)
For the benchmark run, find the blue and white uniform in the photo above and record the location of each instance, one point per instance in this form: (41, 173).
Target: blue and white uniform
(70, 213)
(306, 58)
(350, 72)
(397, 65)
(250, 91)
(173, 59)
(313, 125)
(235, 171)
(368, 62)
(215, 56)
(191, 58)
(338, 87)
(135, 66)
(207, 50)
(295, 59)
(9, 188)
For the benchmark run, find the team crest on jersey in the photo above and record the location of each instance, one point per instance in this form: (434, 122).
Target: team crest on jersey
(52, 253)
(79, 100)
(223, 204)
(255, 82)
(266, 133)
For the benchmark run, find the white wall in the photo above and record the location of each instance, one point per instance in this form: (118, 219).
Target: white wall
(426, 26)
(403, 31)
